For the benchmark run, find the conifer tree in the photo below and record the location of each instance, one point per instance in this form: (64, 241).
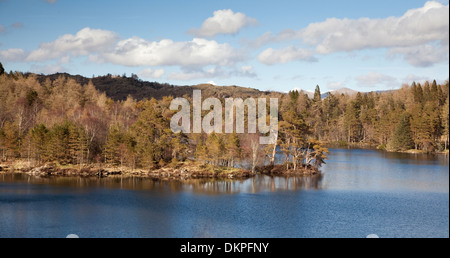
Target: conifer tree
(445, 121)
(402, 139)
(39, 138)
(233, 149)
(10, 141)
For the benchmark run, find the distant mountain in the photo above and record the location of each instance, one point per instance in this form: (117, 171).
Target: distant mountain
(350, 92)
(345, 91)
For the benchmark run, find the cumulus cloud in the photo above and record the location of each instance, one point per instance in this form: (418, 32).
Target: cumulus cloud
(12, 55)
(151, 74)
(416, 27)
(421, 56)
(420, 36)
(189, 75)
(374, 79)
(269, 37)
(85, 42)
(272, 56)
(196, 53)
(409, 79)
(223, 22)
(49, 68)
(247, 71)
(104, 46)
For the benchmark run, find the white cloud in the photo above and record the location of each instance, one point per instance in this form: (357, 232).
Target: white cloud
(223, 22)
(187, 74)
(85, 42)
(272, 56)
(48, 69)
(196, 53)
(415, 78)
(50, 1)
(374, 79)
(416, 27)
(151, 74)
(247, 71)
(420, 36)
(423, 55)
(12, 55)
(2, 28)
(194, 75)
(104, 46)
(269, 37)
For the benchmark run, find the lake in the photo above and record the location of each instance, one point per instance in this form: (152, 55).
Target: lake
(361, 192)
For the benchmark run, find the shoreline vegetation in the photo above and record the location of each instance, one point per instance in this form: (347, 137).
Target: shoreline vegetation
(63, 124)
(183, 171)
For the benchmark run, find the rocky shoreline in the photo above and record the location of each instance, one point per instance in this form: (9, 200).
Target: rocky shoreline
(280, 170)
(182, 172)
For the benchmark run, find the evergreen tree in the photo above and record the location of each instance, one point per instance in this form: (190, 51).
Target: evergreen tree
(39, 139)
(215, 149)
(11, 140)
(402, 139)
(233, 149)
(352, 122)
(445, 121)
(2, 70)
(317, 94)
(113, 146)
(293, 133)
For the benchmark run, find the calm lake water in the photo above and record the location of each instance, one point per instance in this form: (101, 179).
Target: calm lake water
(361, 192)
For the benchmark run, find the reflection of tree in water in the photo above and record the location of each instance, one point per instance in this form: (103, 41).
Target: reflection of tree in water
(256, 184)
(273, 184)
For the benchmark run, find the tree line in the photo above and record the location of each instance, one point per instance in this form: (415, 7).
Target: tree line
(413, 117)
(67, 122)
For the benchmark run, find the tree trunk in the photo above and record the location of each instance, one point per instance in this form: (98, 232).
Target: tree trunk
(274, 153)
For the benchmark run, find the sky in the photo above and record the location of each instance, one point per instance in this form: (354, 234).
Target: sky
(268, 45)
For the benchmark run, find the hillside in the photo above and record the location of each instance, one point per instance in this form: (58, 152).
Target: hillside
(119, 88)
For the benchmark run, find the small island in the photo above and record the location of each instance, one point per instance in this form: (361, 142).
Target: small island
(64, 125)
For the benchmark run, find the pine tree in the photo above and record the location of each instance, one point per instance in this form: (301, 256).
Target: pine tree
(2, 70)
(215, 149)
(58, 147)
(233, 149)
(10, 141)
(352, 123)
(402, 139)
(293, 133)
(445, 121)
(317, 94)
(315, 154)
(39, 138)
(113, 145)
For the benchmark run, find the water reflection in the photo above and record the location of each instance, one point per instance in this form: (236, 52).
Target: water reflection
(257, 184)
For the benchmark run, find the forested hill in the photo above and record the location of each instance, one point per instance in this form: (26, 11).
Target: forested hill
(120, 87)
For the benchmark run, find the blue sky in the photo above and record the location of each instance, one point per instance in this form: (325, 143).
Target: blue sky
(269, 45)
